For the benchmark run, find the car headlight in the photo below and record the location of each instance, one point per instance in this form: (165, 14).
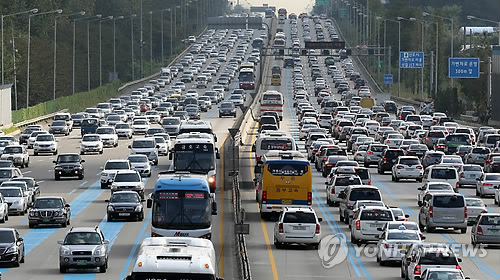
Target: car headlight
(100, 251)
(12, 249)
(16, 202)
(139, 187)
(34, 213)
(110, 208)
(58, 213)
(65, 251)
(114, 187)
(138, 208)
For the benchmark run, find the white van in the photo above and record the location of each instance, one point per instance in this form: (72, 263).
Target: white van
(201, 81)
(442, 173)
(273, 141)
(272, 101)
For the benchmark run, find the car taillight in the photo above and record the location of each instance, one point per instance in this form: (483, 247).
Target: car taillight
(462, 175)
(280, 228)
(431, 213)
(318, 229)
(324, 159)
(479, 230)
(470, 156)
(257, 158)
(400, 167)
(465, 212)
(309, 198)
(358, 225)
(417, 270)
(388, 141)
(212, 182)
(264, 197)
(369, 181)
(427, 139)
(458, 267)
(370, 153)
(457, 185)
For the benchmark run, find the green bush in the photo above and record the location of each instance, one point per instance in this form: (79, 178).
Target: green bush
(74, 103)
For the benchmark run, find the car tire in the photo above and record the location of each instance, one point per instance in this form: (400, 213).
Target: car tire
(22, 258)
(103, 186)
(315, 246)
(82, 153)
(477, 192)
(17, 262)
(396, 179)
(3, 219)
(463, 230)
(141, 216)
(35, 153)
(419, 180)
(104, 267)
(64, 224)
(62, 269)
(57, 178)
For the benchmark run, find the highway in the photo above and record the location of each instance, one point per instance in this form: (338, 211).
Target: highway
(298, 262)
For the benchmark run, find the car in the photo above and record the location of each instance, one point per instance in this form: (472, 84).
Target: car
(31, 185)
(14, 251)
(475, 207)
(407, 167)
(487, 184)
(388, 159)
(59, 127)
(430, 187)
(27, 192)
(399, 214)
(227, 109)
(91, 143)
(109, 170)
(431, 257)
(297, 225)
(336, 184)
(16, 199)
(128, 180)
(69, 165)
(171, 125)
(492, 165)
(140, 126)
(373, 154)
(360, 203)
(145, 146)
(25, 134)
(45, 143)
(4, 209)
(9, 173)
(418, 150)
(366, 221)
(477, 155)
(486, 230)
(469, 174)
(411, 252)
(442, 173)
(108, 136)
(431, 158)
(237, 99)
(79, 241)
(162, 145)
(17, 154)
(441, 273)
(125, 205)
(6, 163)
(49, 210)
(140, 163)
(32, 137)
(445, 210)
(392, 241)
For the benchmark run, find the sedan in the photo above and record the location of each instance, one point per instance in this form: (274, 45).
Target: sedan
(430, 187)
(407, 167)
(393, 241)
(487, 184)
(475, 207)
(486, 230)
(59, 127)
(125, 205)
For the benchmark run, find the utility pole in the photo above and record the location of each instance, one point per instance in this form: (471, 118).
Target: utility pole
(141, 45)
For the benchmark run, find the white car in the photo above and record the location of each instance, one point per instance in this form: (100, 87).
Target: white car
(109, 170)
(367, 220)
(153, 117)
(297, 225)
(128, 180)
(28, 193)
(140, 126)
(360, 154)
(407, 167)
(16, 199)
(108, 136)
(392, 241)
(17, 154)
(237, 99)
(91, 143)
(430, 187)
(475, 207)
(140, 163)
(163, 145)
(45, 143)
(4, 209)
(123, 130)
(32, 137)
(337, 184)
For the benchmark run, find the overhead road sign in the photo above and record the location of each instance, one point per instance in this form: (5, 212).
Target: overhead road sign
(463, 67)
(261, 9)
(325, 45)
(388, 79)
(411, 60)
(235, 22)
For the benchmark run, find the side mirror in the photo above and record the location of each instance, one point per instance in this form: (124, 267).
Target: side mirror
(106, 241)
(420, 189)
(407, 216)
(54, 161)
(106, 200)
(459, 259)
(214, 208)
(82, 161)
(320, 220)
(67, 205)
(157, 146)
(423, 237)
(102, 168)
(379, 229)
(149, 203)
(20, 239)
(170, 155)
(142, 200)
(130, 146)
(60, 242)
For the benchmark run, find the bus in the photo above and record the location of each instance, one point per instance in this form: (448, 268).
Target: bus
(279, 43)
(246, 78)
(197, 153)
(272, 101)
(175, 258)
(269, 13)
(182, 206)
(282, 11)
(283, 179)
(276, 79)
(273, 141)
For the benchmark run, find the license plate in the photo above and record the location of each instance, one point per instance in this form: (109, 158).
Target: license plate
(448, 218)
(123, 214)
(375, 225)
(471, 176)
(299, 227)
(45, 220)
(403, 247)
(287, 201)
(81, 262)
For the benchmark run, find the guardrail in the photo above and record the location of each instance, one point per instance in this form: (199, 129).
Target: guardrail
(40, 119)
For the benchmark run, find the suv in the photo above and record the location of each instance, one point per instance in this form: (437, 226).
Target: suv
(337, 184)
(108, 136)
(227, 109)
(387, 160)
(45, 143)
(353, 193)
(11, 246)
(109, 170)
(17, 154)
(69, 165)
(84, 247)
(368, 219)
(446, 210)
(91, 143)
(140, 163)
(373, 154)
(145, 146)
(485, 230)
(297, 225)
(407, 167)
(16, 199)
(128, 180)
(125, 204)
(432, 257)
(50, 210)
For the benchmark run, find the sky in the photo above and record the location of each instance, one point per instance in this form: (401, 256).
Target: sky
(292, 6)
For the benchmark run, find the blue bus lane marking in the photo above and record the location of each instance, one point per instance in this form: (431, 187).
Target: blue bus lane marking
(350, 249)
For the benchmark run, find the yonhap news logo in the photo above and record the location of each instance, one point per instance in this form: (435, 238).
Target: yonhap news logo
(333, 250)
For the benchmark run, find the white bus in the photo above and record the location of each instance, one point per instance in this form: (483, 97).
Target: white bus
(272, 101)
(175, 258)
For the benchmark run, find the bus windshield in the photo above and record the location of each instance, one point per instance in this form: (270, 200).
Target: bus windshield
(171, 276)
(246, 76)
(181, 210)
(194, 157)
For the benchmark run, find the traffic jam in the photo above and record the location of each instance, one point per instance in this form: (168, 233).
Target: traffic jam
(320, 122)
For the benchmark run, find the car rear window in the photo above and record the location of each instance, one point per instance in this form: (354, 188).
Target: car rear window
(449, 201)
(364, 174)
(409, 161)
(438, 258)
(346, 181)
(444, 173)
(365, 194)
(299, 217)
(376, 215)
(472, 168)
(378, 148)
(490, 220)
(436, 134)
(492, 177)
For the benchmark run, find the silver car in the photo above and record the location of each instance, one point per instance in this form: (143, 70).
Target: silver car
(373, 154)
(486, 230)
(469, 175)
(487, 184)
(445, 210)
(475, 207)
(477, 155)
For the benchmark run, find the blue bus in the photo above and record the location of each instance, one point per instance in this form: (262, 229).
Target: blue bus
(182, 206)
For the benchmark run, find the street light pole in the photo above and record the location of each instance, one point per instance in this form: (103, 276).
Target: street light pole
(114, 45)
(171, 38)
(98, 17)
(151, 43)
(132, 43)
(425, 14)
(399, 56)
(100, 47)
(488, 20)
(140, 42)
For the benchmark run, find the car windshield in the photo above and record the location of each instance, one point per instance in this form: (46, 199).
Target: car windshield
(91, 138)
(45, 137)
(402, 236)
(444, 275)
(68, 158)
(10, 192)
(226, 105)
(122, 126)
(48, 203)
(105, 130)
(116, 165)
(82, 238)
(143, 144)
(127, 177)
(410, 226)
(13, 150)
(125, 197)
(492, 177)
(59, 123)
(4, 143)
(159, 140)
(137, 158)
(299, 217)
(7, 236)
(376, 215)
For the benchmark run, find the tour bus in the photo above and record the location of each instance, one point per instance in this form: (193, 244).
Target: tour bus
(196, 153)
(283, 179)
(175, 258)
(200, 126)
(182, 206)
(246, 78)
(272, 101)
(273, 140)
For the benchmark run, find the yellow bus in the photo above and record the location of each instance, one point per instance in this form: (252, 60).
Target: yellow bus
(282, 179)
(276, 79)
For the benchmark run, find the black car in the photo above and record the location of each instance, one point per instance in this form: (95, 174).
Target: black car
(125, 205)
(11, 246)
(227, 109)
(389, 157)
(50, 210)
(390, 107)
(69, 165)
